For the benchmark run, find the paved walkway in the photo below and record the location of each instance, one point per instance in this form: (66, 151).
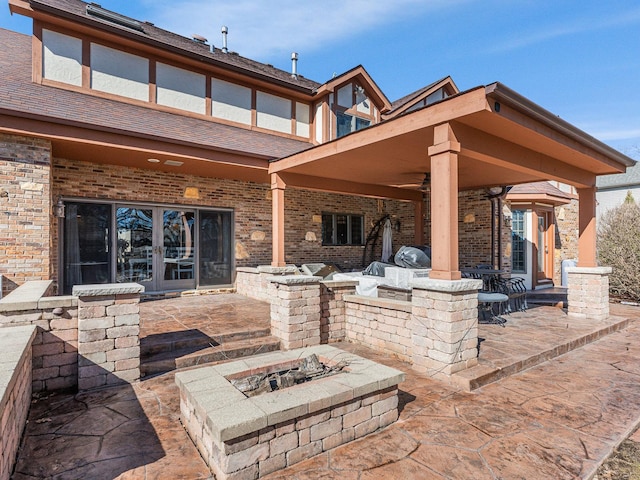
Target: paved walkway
(557, 420)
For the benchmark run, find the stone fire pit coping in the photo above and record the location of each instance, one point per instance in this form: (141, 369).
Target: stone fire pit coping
(231, 415)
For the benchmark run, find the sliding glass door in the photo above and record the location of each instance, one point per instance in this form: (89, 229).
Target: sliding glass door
(161, 248)
(87, 244)
(215, 240)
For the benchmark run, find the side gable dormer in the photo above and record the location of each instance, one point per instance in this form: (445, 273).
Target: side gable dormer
(348, 103)
(421, 98)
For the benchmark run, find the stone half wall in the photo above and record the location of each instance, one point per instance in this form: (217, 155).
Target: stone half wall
(15, 391)
(25, 211)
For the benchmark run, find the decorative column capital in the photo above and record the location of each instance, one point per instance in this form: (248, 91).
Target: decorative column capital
(445, 147)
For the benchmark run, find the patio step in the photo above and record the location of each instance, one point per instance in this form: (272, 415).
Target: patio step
(194, 339)
(554, 297)
(193, 355)
(486, 373)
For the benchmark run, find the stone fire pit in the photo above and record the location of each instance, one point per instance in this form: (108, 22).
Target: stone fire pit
(249, 437)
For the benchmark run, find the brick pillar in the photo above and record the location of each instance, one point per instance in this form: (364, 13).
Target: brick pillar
(295, 310)
(108, 334)
(444, 325)
(333, 320)
(588, 292)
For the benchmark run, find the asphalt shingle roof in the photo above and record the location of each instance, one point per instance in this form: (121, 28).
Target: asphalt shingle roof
(168, 40)
(539, 188)
(630, 178)
(19, 96)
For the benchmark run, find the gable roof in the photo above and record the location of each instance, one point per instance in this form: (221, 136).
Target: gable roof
(539, 192)
(629, 179)
(76, 11)
(405, 102)
(20, 98)
(360, 74)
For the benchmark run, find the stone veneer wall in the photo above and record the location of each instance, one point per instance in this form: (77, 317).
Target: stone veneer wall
(332, 309)
(295, 310)
(566, 217)
(588, 292)
(55, 345)
(378, 323)
(15, 391)
(253, 282)
(108, 334)
(25, 229)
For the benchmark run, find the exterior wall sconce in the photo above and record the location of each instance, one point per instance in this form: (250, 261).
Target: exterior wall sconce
(58, 209)
(398, 226)
(506, 220)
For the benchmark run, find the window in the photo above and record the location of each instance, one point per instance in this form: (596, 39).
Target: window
(342, 229)
(349, 123)
(518, 242)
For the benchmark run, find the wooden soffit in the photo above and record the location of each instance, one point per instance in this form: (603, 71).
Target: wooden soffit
(504, 139)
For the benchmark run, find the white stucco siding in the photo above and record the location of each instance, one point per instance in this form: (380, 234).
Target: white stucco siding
(180, 88)
(319, 122)
(61, 58)
(302, 119)
(230, 101)
(120, 73)
(273, 112)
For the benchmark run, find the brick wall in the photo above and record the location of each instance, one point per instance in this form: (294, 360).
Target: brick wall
(251, 203)
(25, 211)
(474, 228)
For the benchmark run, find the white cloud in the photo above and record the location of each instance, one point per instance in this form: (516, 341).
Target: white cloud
(260, 29)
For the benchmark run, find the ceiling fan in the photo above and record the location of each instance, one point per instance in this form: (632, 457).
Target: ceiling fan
(423, 185)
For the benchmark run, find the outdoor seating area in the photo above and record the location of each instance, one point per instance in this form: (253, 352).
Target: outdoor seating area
(442, 430)
(500, 294)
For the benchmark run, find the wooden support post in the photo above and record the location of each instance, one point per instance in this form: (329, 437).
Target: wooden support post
(277, 218)
(587, 227)
(444, 204)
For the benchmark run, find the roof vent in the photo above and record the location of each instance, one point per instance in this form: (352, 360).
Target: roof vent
(95, 10)
(224, 30)
(294, 65)
(199, 38)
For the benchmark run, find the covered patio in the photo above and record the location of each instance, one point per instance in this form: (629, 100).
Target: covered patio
(482, 138)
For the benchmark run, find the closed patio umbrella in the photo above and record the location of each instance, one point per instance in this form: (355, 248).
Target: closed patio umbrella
(387, 238)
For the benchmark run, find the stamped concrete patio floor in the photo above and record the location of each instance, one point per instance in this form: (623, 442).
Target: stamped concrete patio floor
(556, 420)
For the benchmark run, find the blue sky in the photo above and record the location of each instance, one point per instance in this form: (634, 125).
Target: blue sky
(579, 59)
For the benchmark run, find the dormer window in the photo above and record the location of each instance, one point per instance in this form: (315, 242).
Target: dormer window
(349, 123)
(353, 109)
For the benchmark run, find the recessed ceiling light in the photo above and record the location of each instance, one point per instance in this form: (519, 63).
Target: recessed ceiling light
(173, 163)
(153, 160)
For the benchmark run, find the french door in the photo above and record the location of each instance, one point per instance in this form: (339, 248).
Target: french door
(156, 247)
(162, 248)
(545, 245)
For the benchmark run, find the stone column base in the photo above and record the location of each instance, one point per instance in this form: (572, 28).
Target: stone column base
(588, 292)
(295, 310)
(444, 325)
